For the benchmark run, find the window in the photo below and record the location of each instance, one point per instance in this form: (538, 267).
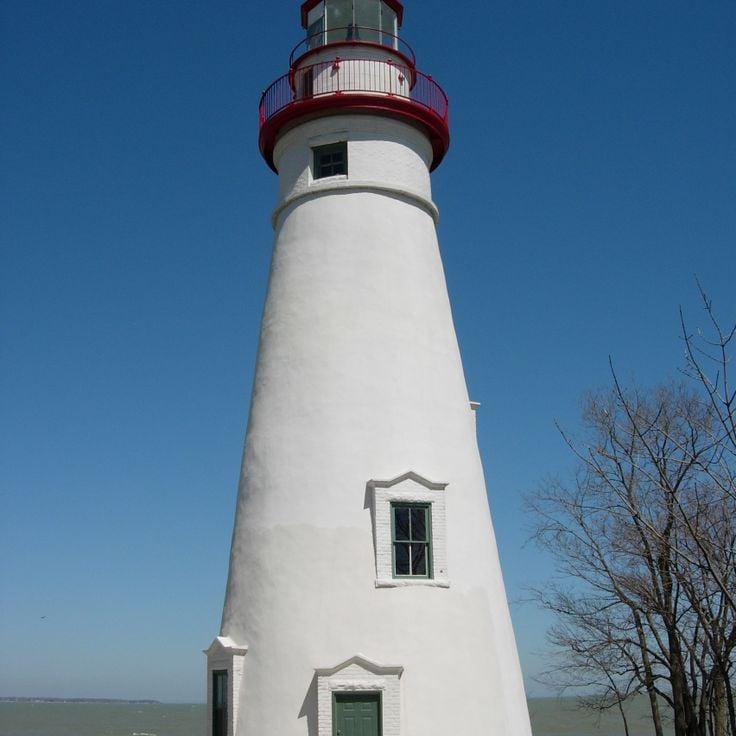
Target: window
(333, 21)
(367, 20)
(331, 160)
(389, 25)
(410, 535)
(316, 25)
(219, 703)
(409, 531)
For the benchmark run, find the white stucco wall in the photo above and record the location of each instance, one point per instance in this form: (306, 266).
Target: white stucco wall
(359, 378)
(399, 166)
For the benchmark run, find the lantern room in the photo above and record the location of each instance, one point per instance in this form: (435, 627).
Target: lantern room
(352, 61)
(334, 21)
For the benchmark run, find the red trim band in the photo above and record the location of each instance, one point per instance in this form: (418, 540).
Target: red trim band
(402, 108)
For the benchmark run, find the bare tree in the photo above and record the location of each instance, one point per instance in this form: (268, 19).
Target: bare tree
(708, 361)
(708, 354)
(645, 535)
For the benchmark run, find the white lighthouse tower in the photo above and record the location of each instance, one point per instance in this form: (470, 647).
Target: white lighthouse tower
(365, 595)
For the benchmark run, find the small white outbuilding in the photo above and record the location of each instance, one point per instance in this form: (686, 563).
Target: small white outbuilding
(365, 595)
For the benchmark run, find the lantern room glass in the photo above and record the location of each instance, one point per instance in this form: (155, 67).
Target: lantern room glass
(333, 21)
(339, 20)
(367, 20)
(316, 25)
(389, 26)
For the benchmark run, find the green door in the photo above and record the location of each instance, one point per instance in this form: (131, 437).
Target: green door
(357, 714)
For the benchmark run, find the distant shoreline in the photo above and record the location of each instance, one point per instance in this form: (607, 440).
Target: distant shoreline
(104, 701)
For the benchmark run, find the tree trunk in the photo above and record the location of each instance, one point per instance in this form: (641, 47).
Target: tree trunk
(620, 704)
(729, 700)
(719, 705)
(685, 721)
(648, 677)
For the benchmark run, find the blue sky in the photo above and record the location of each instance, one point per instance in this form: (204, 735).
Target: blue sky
(592, 175)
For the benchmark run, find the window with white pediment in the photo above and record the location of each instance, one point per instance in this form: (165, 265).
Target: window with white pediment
(409, 531)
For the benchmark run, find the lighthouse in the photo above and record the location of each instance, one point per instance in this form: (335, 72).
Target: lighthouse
(364, 595)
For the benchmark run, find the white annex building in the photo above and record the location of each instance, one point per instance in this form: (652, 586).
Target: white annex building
(365, 595)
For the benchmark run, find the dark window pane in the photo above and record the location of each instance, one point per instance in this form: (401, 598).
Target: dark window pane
(333, 164)
(418, 559)
(401, 553)
(419, 524)
(411, 543)
(219, 703)
(401, 523)
(219, 687)
(331, 160)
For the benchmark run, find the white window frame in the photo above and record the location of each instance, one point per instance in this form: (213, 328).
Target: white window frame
(408, 488)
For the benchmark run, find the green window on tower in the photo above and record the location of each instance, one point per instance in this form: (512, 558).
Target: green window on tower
(411, 538)
(331, 160)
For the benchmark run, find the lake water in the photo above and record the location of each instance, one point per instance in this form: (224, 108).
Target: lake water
(550, 717)
(100, 719)
(561, 717)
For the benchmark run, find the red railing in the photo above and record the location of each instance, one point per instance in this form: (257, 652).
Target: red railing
(353, 76)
